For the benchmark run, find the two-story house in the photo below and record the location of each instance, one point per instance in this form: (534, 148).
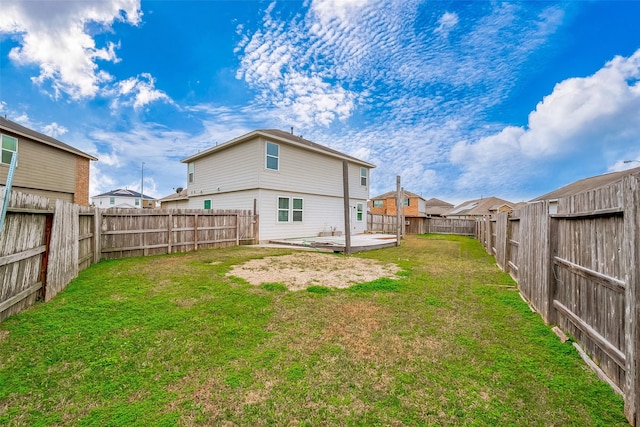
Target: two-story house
(123, 198)
(297, 185)
(45, 166)
(413, 210)
(385, 204)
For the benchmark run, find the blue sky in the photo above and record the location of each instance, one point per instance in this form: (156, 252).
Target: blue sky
(461, 99)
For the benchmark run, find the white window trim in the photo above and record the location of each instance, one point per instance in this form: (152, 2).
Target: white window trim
(191, 173)
(365, 176)
(359, 210)
(11, 151)
(267, 156)
(204, 202)
(290, 210)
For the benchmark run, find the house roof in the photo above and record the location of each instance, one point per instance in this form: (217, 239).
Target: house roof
(280, 136)
(392, 195)
(437, 207)
(123, 192)
(182, 195)
(42, 138)
(477, 207)
(433, 202)
(586, 184)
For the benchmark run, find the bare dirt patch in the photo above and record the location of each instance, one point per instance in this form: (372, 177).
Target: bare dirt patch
(303, 269)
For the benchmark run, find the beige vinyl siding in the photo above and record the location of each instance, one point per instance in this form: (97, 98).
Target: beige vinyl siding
(234, 200)
(175, 204)
(319, 213)
(303, 171)
(356, 190)
(235, 168)
(41, 167)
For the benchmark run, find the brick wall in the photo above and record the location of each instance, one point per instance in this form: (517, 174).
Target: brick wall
(389, 207)
(81, 196)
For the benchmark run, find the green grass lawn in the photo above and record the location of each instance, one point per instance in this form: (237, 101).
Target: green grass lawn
(170, 340)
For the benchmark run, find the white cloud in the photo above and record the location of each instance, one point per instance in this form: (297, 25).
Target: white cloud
(333, 61)
(447, 22)
(138, 91)
(595, 115)
(54, 36)
(54, 130)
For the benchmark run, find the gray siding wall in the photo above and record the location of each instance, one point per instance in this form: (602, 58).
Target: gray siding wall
(235, 168)
(44, 168)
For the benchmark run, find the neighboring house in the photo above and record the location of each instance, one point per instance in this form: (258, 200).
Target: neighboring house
(415, 209)
(123, 198)
(177, 200)
(437, 207)
(474, 209)
(385, 204)
(45, 167)
(581, 186)
(297, 185)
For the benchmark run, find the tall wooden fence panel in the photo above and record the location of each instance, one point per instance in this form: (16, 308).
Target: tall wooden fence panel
(579, 269)
(533, 261)
(62, 265)
(23, 248)
(127, 233)
(86, 237)
(465, 227)
(42, 250)
(381, 223)
(513, 244)
(588, 283)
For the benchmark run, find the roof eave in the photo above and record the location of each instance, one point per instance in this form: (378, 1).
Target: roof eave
(255, 133)
(71, 150)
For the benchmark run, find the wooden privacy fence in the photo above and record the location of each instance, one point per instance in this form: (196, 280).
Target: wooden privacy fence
(579, 269)
(42, 249)
(381, 223)
(414, 225)
(124, 233)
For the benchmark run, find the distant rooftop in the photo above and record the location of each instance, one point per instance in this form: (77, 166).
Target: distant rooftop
(123, 192)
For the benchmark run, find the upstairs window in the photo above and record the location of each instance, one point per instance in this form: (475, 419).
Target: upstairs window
(363, 176)
(406, 202)
(378, 203)
(273, 156)
(137, 202)
(112, 200)
(9, 148)
(191, 172)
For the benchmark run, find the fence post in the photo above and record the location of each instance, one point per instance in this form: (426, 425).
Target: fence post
(44, 261)
(97, 235)
(169, 233)
(631, 190)
(552, 245)
(195, 232)
(237, 229)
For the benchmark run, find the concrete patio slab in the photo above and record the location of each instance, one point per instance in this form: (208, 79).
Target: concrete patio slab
(359, 242)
